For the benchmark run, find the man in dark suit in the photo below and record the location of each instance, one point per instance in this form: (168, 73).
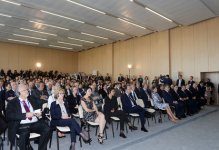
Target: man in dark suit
(2, 97)
(11, 94)
(179, 107)
(145, 95)
(129, 106)
(191, 82)
(120, 78)
(180, 82)
(23, 119)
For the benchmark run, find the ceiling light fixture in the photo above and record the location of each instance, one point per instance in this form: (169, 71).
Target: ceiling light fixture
(131, 0)
(69, 43)
(23, 41)
(61, 16)
(86, 6)
(81, 40)
(29, 37)
(5, 15)
(48, 25)
(11, 2)
(110, 30)
(158, 14)
(38, 31)
(60, 47)
(94, 35)
(131, 23)
(2, 25)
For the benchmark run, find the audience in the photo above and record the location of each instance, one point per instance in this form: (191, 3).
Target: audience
(44, 87)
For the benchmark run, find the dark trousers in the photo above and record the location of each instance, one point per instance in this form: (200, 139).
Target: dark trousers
(73, 125)
(39, 127)
(179, 109)
(141, 111)
(122, 116)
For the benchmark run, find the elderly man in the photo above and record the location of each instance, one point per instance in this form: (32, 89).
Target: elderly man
(23, 118)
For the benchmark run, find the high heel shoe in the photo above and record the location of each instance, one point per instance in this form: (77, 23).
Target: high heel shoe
(85, 138)
(100, 139)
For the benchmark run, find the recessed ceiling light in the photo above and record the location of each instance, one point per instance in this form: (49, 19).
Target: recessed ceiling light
(56, 46)
(5, 15)
(48, 25)
(23, 41)
(61, 16)
(131, 0)
(86, 7)
(29, 37)
(81, 40)
(38, 31)
(2, 25)
(69, 43)
(11, 2)
(94, 35)
(131, 23)
(110, 30)
(158, 14)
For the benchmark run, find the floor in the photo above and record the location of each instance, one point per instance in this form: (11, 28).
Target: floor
(200, 132)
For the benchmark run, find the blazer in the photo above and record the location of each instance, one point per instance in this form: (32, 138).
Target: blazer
(14, 116)
(182, 82)
(9, 93)
(72, 102)
(126, 103)
(56, 114)
(167, 97)
(109, 105)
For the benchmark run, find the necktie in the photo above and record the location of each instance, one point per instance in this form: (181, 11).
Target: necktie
(26, 108)
(132, 99)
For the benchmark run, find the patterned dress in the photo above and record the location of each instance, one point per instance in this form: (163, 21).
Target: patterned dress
(158, 102)
(89, 116)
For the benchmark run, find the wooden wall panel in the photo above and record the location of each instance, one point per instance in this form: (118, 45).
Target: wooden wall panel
(16, 56)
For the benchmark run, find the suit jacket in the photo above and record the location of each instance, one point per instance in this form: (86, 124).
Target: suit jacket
(56, 114)
(36, 94)
(14, 116)
(109, 105)
(126, 103)
(182, 82)
(72, 102)
(10, 93)
(167, 97)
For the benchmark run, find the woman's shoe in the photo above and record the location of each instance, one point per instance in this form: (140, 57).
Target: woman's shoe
(85, 138)
(100, 139)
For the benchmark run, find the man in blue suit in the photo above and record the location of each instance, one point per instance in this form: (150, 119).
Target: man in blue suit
(129, 106)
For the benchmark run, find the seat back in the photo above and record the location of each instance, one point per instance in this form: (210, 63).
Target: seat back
(152, 102)
(140, 103)
(80, 111)
(119, 102)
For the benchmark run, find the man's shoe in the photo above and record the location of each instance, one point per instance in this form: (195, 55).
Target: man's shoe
(122, 135)
(144, 129)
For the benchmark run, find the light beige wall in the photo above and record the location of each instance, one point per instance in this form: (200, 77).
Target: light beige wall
(195, 49)
(16, 56)
(99, 59)
(149, 55)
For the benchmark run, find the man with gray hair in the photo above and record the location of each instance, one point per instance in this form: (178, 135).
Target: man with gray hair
(23, 118)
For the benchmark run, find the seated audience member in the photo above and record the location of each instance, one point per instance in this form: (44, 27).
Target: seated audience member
(40, 95)
(192, 98)
(158, 103)
(74, 101)
(54, 95)
(22, 120)
(168, 98)
(2, 97)
(91, 113)
(12, 93)
(61, 117)
(68, 91)
(146, 95)
(140, 80)
(103, 91)
(111, 110)
(189, 103)
(130, 106)
(200, 99)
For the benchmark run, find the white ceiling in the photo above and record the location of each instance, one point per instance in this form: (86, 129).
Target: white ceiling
(181, 12)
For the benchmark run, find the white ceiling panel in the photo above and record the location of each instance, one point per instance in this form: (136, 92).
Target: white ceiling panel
(60, 14)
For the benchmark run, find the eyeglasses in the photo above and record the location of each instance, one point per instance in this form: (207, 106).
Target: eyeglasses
(61, 93)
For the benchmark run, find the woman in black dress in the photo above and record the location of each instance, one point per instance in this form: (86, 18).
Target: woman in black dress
(111, 110)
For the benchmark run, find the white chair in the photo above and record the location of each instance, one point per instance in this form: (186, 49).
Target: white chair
(32, 137)
(88, 123)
